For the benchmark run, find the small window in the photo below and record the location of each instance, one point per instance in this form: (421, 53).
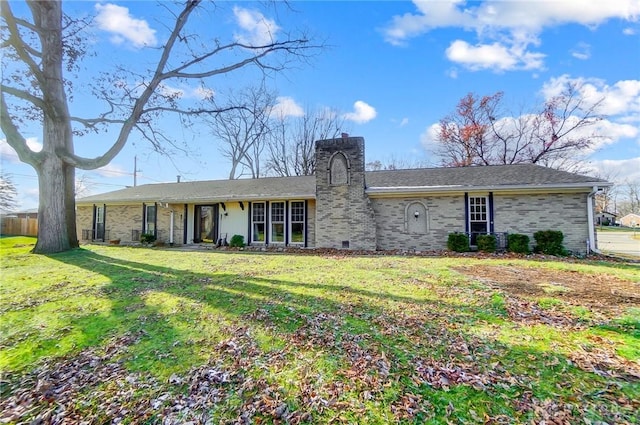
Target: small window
(150, 219)
(277, 222)
(257, 222)
(297, 222)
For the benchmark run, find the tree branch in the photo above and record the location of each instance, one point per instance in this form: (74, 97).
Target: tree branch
(34, 100)
(19, 45)
(15, 139)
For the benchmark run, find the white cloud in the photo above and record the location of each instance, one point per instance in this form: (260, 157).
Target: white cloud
(491, 16)
(629, 31)
(258, 29)
(185, 92)
(620, 170)
(495, 56)
(505, 29)
(287, 107)
(123, 27)
(582, 51)
(7, 152)
(362, 113)
(404, 122)
(621, 99)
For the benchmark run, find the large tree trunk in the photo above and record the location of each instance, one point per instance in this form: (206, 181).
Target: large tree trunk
(56, 215)
(56, 179)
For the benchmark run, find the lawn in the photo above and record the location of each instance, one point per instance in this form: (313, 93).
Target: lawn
(111, 334)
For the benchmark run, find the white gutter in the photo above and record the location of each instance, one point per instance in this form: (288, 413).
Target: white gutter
(401, 190)
(591, 242)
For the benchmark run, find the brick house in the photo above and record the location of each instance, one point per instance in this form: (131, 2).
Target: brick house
(344, 206)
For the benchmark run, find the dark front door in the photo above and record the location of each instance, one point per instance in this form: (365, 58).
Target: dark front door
(206, 223)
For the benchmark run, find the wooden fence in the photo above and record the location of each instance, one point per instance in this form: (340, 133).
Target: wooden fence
(16, 226)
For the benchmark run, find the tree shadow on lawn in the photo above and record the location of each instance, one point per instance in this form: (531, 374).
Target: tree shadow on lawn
(172, 313)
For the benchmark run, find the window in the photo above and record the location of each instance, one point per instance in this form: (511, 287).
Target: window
(257, 222)
(98, 228)
(150, 219)
(478, 223)
(297, 222)
(277, 222)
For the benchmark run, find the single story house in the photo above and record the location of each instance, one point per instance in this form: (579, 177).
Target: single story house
(630, 220)
(605, 218)
(344, 206)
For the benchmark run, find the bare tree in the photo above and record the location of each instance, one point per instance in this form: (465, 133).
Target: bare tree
(480, 133)
(8, 193)
(45, 45)
(291, 148)
(395, 162)
(243, 130)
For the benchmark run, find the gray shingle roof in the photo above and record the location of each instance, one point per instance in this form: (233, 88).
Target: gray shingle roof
(304, 187)
(496, 176)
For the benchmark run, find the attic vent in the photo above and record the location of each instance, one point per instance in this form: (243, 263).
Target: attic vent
(345, 244)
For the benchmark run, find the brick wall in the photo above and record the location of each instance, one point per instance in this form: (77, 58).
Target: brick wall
(343, 211)
(524, 214)
(527, 214)
(122, 220)
(444, 215)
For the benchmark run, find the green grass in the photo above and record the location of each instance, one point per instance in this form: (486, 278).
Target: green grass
(120, 333)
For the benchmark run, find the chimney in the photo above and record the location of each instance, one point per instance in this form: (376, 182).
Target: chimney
(178, 178)
(345, 135)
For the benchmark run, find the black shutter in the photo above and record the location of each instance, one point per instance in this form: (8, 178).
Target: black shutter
(155, 220)
(93, 225)
(267, 222)
(104, 222)
(144, 218)
(491, 228)
(466, 212)
(184, 224)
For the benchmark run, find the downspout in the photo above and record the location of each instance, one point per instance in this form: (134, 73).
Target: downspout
(591, 242)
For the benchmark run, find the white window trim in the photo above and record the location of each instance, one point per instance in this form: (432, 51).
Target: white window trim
(271, 222)
(304, 223)
(486, 212)
(264, 221)
(146, 218)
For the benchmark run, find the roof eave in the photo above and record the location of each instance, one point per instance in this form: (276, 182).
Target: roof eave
(412, 190)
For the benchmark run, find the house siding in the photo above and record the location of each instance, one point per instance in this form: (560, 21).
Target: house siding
(445, 214)
(527, 214)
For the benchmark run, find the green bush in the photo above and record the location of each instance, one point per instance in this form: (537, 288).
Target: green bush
(518, 243)
(487, 243)
(549, 242)
(458, 242)
(147, 238)
(237, 241)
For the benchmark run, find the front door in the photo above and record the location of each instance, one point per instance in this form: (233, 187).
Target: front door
(206, 224)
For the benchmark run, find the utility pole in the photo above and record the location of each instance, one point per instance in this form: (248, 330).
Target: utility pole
(135, 171)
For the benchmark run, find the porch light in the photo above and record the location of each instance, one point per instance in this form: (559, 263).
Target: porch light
(416, 214)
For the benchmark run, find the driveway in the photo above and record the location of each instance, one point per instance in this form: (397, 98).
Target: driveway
(619, 242)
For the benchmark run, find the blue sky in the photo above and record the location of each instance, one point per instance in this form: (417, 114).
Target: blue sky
(393, 68)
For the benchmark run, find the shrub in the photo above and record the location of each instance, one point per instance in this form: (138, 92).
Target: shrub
(458, 242)
(487, 243)
(518, 243)
(147, 238)
(549, 242)
(237, 241)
